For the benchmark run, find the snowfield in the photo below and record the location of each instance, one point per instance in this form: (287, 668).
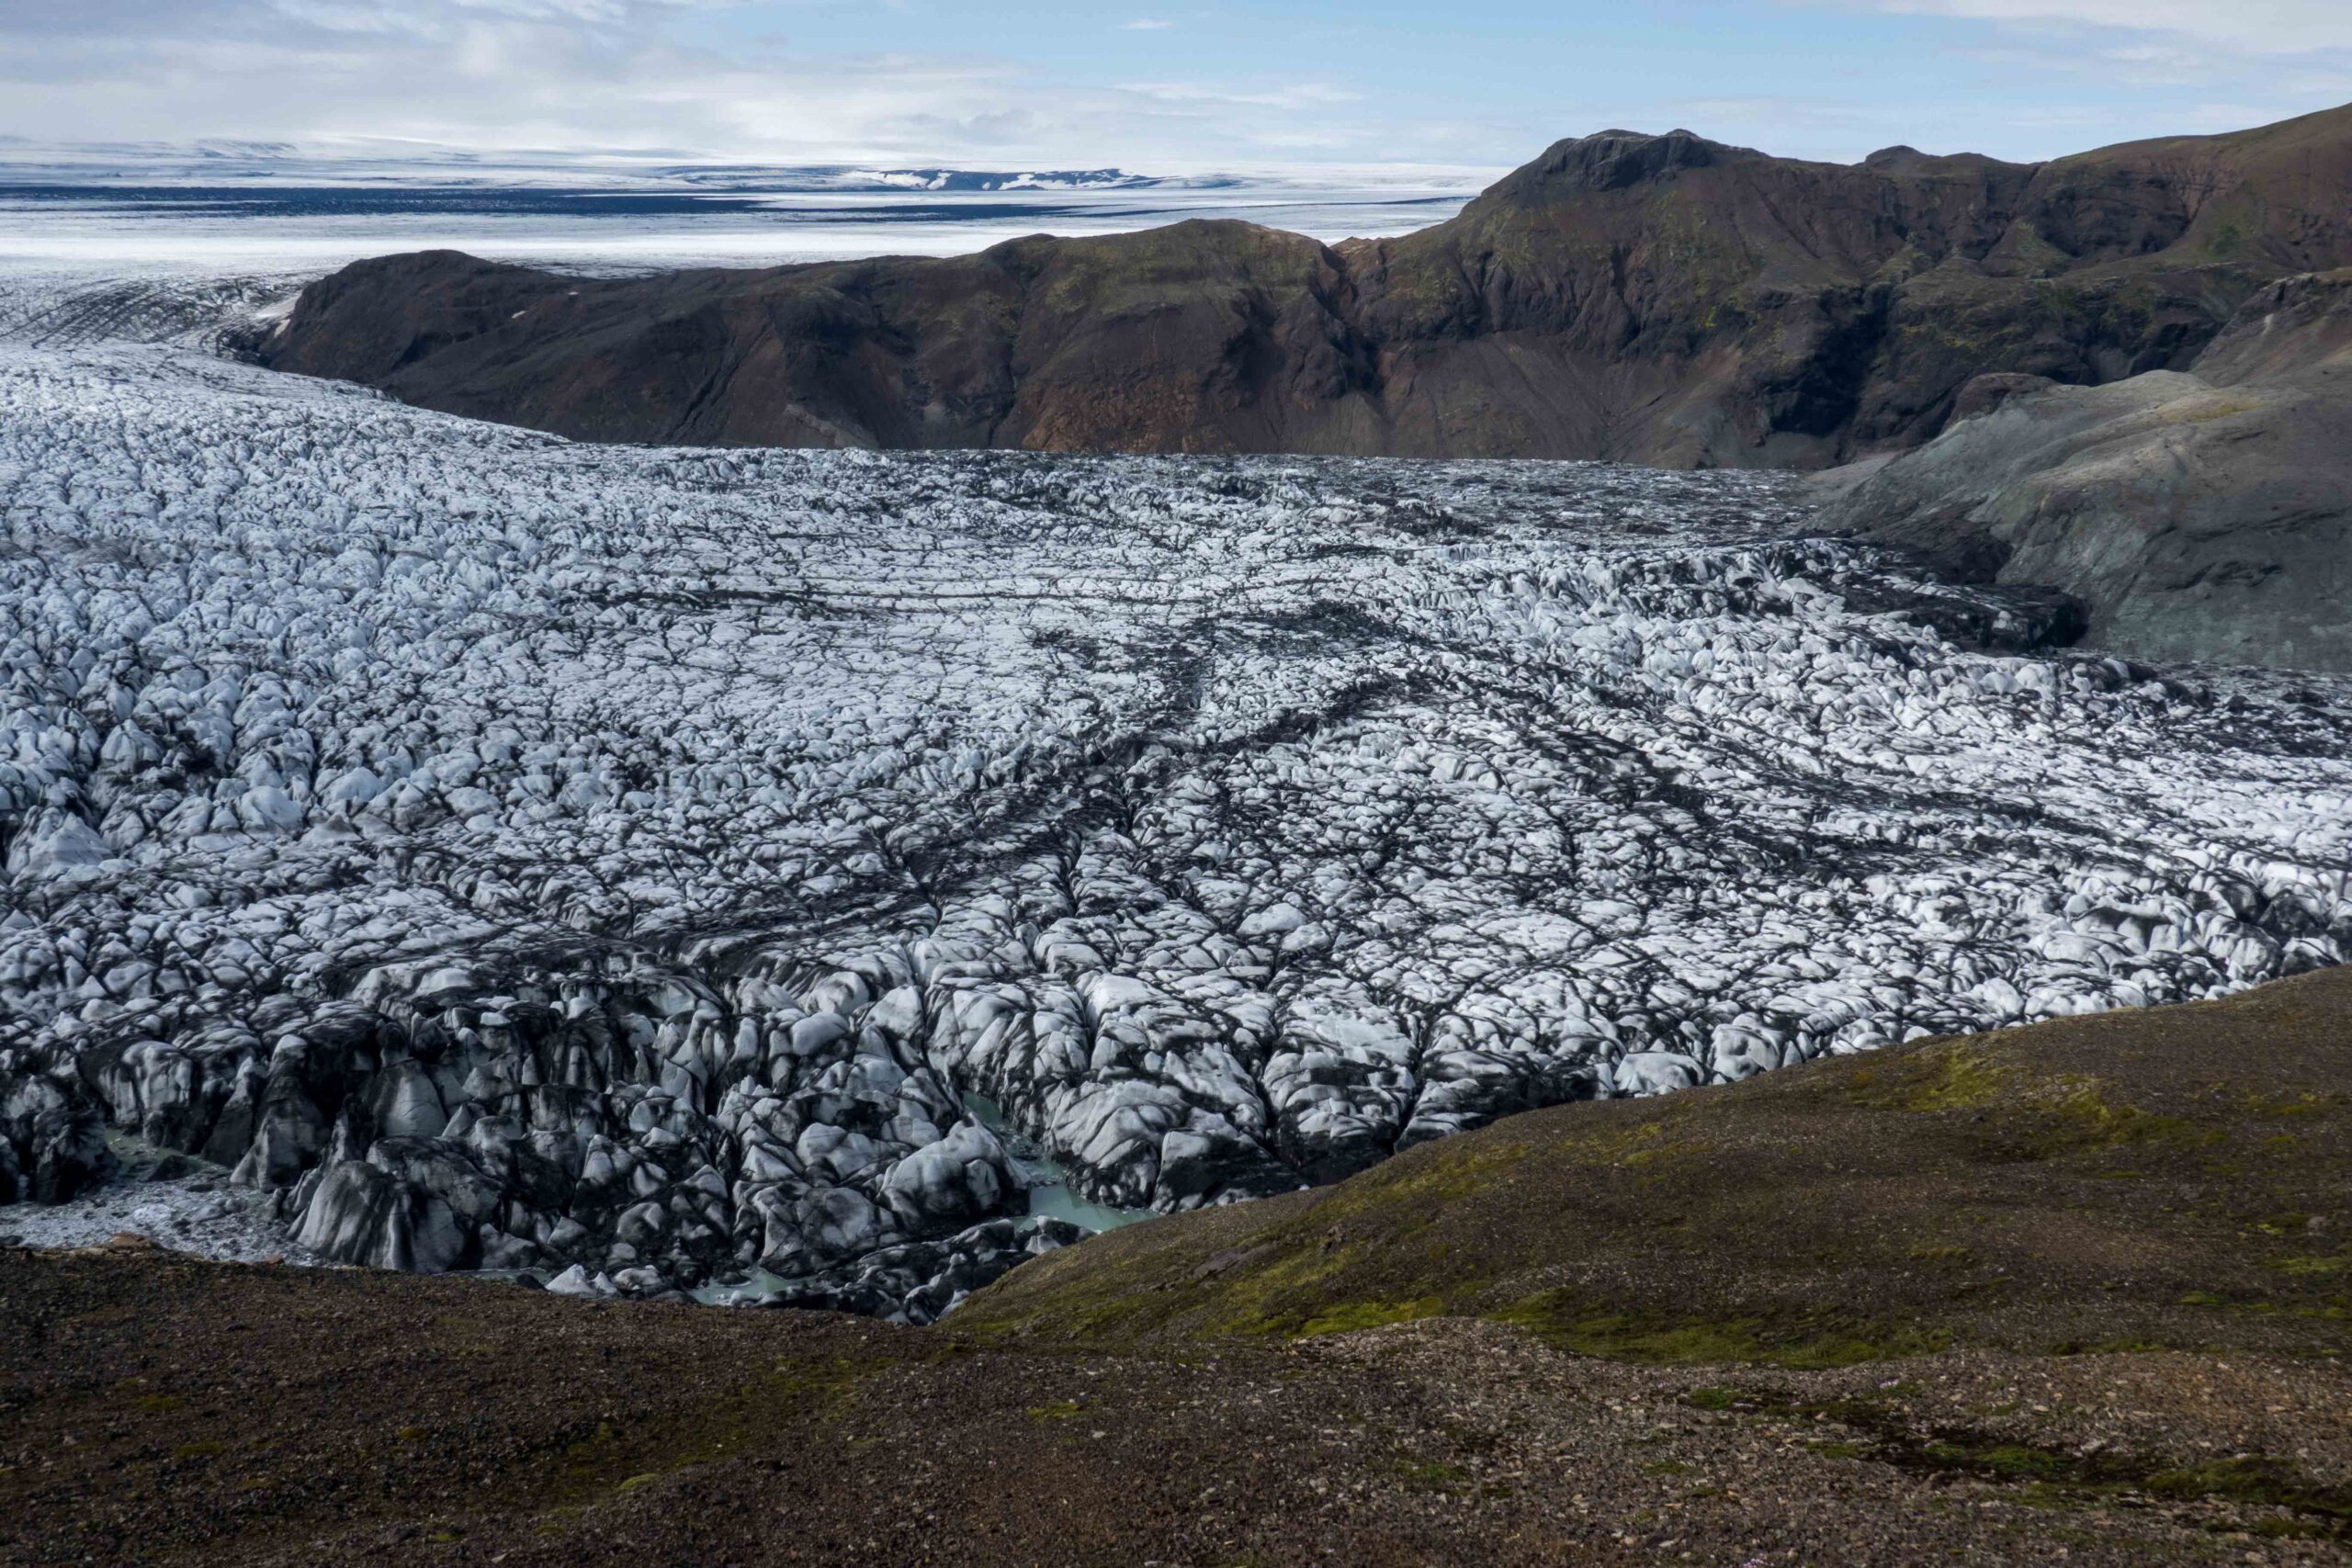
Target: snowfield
(620, 864)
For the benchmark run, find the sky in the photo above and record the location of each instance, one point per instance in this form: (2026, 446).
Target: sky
(1163, 86)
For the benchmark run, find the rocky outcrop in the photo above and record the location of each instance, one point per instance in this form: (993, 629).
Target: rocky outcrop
(1655, 299)
(2201, 515)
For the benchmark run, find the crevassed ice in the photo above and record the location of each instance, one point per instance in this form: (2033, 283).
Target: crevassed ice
(618, 862)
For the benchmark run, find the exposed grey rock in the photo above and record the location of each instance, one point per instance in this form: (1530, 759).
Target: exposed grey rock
(2201, 515)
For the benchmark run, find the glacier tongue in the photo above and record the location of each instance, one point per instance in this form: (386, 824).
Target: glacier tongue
(507, 854)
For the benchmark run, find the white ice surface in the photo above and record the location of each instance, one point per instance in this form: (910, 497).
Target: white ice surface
(1229, 823)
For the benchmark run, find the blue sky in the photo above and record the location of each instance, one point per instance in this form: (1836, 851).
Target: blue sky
(1167, 87)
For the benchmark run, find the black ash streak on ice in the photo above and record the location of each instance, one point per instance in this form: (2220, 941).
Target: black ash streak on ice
(495, 852)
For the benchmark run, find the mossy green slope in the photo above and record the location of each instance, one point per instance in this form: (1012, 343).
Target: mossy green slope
(2179, 1177)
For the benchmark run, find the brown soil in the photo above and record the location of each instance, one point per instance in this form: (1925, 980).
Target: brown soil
(2070, 1293)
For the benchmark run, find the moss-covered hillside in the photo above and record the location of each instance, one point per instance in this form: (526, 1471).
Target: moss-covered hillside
(2177, 1176)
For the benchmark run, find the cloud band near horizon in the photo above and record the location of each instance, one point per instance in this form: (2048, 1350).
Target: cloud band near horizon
(1255, 83)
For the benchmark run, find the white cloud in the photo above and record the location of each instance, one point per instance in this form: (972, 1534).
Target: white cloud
(666, 75)
(611, 76)
(606, 11)
(2232, 27)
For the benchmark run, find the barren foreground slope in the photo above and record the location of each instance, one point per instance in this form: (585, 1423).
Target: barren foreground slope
(2075, 1292)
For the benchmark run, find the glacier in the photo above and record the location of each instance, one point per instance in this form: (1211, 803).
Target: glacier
(472, 850)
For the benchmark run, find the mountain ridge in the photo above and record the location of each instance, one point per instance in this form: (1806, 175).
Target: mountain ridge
(1665, 299)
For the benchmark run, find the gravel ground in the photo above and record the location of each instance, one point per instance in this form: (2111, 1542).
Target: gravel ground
(163, 1409)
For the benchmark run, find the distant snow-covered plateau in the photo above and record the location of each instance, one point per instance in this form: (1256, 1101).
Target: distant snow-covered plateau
(241, 204)
(438, 846)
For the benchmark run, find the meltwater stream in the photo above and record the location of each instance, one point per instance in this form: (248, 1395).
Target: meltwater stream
(1051, 1197)
(1051, 1194)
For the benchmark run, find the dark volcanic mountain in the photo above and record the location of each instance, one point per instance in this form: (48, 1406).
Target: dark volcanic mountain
(1658, 298)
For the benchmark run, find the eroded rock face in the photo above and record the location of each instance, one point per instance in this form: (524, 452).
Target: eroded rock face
(520, 855)
(1653, 298)
(2204, 514)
